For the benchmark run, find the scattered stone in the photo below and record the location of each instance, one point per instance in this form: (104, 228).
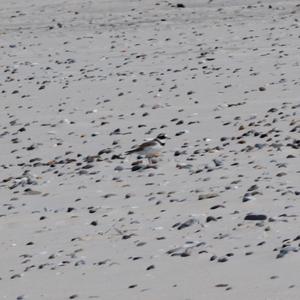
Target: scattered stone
(255, 217)
(207, 196)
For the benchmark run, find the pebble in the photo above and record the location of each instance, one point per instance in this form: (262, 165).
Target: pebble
(286, 250)
(248, 197)
(222, 259)
(186, 224)
(207, 196)
(255, 217)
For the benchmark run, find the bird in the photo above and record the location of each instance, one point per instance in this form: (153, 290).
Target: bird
(150, 148)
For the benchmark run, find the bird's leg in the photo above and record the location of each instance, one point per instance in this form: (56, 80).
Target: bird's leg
(149, 160)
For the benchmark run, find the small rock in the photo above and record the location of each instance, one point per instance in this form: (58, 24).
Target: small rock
(285, 250)
(248, 197)
(222, 259)
(187, 223)
(207, 196)
(255, 217)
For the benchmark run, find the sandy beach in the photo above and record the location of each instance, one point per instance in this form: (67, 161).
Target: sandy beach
(215, 215)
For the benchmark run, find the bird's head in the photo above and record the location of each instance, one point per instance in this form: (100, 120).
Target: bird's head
(162, 137)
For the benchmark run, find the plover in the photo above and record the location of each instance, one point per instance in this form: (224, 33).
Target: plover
(150, 148)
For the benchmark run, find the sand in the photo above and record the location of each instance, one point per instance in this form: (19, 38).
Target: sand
(216, 216)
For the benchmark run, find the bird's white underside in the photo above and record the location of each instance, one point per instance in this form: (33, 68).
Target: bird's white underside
(152, 150)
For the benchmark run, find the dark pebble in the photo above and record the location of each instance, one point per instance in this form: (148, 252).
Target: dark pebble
(255, 217)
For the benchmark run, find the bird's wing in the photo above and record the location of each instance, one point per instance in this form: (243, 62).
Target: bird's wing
(142, 147)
